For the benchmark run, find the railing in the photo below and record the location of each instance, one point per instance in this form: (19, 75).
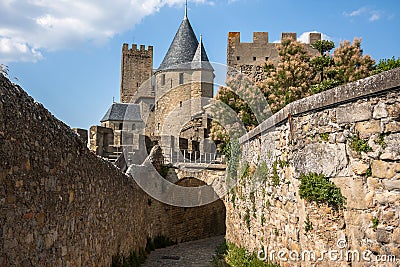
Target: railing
(187, 156)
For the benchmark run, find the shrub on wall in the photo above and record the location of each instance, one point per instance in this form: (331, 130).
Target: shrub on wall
(317, 188)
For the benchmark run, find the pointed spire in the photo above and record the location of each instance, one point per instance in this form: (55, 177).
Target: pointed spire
(186, 10)
(182, 48)
(200, 58)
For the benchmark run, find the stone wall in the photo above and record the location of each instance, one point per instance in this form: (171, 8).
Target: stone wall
(317, 134)
(247, 57)
(61, 205)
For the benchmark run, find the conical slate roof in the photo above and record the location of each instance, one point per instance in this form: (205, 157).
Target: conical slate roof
(182, 48)
(200, 58)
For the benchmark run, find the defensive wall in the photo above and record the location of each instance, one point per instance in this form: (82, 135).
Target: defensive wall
(250, 57)
(318, 134)
(61, 205)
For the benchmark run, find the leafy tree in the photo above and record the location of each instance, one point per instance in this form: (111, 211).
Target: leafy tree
(324, 60)
(386, 64)
(350, 64)
(321, 64)
(292, 77)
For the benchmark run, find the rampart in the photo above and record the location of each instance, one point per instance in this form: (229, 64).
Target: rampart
(61, 205)
(249, 58)
(351, 134)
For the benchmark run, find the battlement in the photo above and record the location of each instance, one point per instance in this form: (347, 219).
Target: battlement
(136, 68)
(125, 48)
(262, 37)
(247, 56)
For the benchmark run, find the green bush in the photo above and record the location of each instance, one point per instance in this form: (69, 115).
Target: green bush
(317, 188)
(386, 64)
(359, 145)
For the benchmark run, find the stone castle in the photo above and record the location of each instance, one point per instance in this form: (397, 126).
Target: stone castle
(61, 205)
(149, 97)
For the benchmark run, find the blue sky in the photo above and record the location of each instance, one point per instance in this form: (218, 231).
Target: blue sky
(66, 54)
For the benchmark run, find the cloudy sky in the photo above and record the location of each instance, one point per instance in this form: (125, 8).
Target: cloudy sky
(66, 53)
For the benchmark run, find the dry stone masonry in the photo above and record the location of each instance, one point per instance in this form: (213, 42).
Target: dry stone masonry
(351, 134)
(61, 205)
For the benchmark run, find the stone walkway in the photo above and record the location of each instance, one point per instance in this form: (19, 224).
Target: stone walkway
(197, 253)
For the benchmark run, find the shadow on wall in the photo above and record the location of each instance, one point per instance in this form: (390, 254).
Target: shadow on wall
(203, 221)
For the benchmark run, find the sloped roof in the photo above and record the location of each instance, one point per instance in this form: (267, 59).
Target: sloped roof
(182, 48)
(200, 58)
(122, 112)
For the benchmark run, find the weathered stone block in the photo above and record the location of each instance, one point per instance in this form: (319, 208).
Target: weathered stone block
(391, 184)
(396, 236)
(354, 113)
(392, 127)
(382, 169)
(388, 197)
(329, 159)
(353, 190)
(368, 128)
(380, 111)
(359, 168)
(394, 110)
(382, 236)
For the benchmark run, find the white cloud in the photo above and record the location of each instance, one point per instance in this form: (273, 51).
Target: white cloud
(373, 15)
(304, 37)
(356, 12)
(29, 27)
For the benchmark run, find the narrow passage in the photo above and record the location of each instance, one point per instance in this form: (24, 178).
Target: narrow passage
(197, 253)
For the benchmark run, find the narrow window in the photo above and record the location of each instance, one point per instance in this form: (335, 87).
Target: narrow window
(180, 103)
(162, 79)
(137, 84)
(254, 58)
(180, 78)
(171, 82)
(120, 126)
(158, 126)
(237, 58)
(133, 127)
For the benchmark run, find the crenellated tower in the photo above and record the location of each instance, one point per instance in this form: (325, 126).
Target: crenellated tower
(136, 68)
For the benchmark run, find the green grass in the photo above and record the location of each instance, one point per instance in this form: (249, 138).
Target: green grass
(228, 254)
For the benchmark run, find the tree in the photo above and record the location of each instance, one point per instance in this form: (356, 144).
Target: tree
(386, 64)
(320, 64)
(350, 64)
(292, 77)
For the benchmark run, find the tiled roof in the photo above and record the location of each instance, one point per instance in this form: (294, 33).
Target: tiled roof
(182, 49)
(122, 112)
(200, 58)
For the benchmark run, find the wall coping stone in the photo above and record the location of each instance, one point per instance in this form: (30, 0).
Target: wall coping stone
(373, 85)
